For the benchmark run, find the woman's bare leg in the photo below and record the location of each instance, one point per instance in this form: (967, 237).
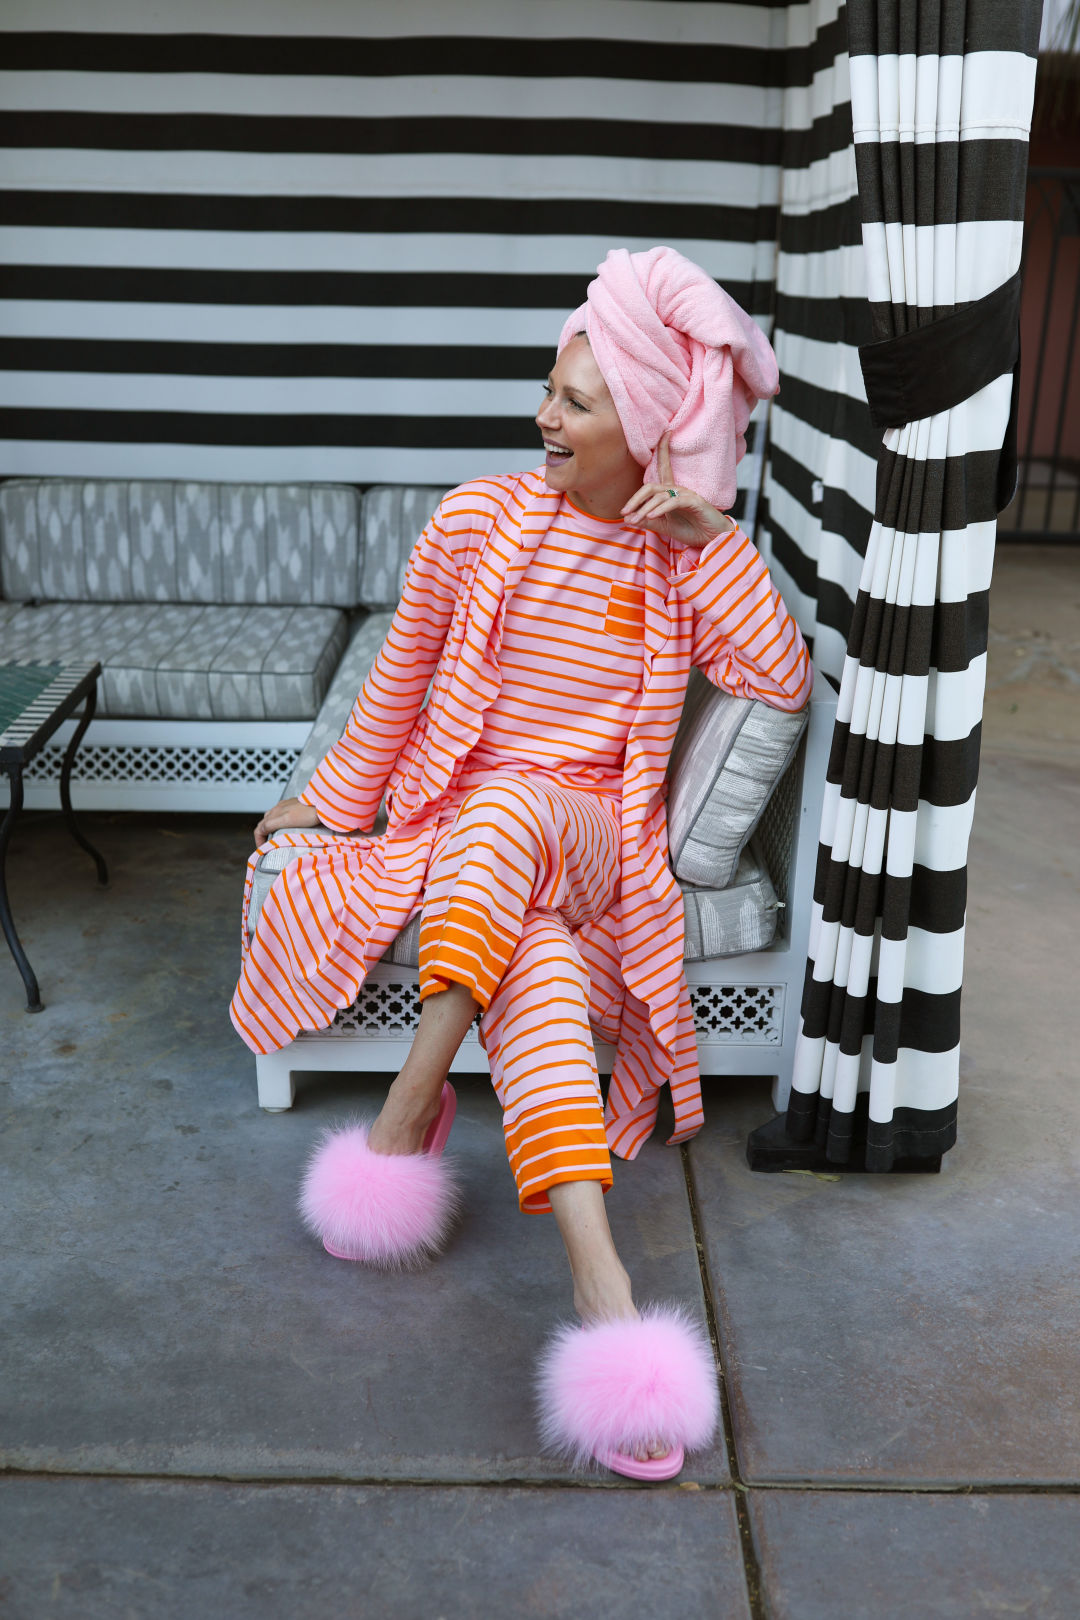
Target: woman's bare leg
(601, 1283)
(412, 1102)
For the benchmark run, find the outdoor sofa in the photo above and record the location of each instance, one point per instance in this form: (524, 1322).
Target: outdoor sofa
(235, 625)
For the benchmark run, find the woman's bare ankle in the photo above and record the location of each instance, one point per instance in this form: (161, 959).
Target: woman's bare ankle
(604, 1295)
(412, 1103)
(405, 1117)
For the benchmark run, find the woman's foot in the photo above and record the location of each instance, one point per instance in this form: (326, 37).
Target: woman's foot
(602, 1290)
(405, 1118)
(412, 1103)
(609, 1299)
(602, 1293)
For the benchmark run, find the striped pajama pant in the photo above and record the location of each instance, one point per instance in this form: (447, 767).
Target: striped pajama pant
(525, 863)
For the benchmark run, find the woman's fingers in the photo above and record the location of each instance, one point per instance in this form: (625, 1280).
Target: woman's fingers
(286, 813)
(684, 516)
(277, 815)
(650, 494)
(662, 517)
(658, 499)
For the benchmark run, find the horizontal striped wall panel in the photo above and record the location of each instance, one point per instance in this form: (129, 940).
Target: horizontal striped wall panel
(250, 240)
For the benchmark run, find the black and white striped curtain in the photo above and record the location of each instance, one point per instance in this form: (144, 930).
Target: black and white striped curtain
(941, 95)
(818, 495)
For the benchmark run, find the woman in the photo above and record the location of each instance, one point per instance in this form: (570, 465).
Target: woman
(555, 615)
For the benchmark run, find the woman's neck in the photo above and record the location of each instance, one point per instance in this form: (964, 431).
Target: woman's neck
(607, 502)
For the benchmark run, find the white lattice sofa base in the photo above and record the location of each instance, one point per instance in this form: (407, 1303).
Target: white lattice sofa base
(171, 765)
(739, 1020)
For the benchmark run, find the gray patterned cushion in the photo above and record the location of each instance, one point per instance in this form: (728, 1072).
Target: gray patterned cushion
(729, 755)
(367, 638)
(719, 922)
(393, 518)
(97, 540)
(183, 662)
(727, 922)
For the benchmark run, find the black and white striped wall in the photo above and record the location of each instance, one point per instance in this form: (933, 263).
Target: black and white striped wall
(249, 239)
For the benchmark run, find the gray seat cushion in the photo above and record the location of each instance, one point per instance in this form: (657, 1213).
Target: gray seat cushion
(719, 922)
(729, 755)
(731, 921)
(106, 540)
(183, 662)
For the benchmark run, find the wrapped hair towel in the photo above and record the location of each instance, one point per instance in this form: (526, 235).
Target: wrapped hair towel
(676, 352)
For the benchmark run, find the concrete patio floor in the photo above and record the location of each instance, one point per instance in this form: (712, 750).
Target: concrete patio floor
(200, 1412)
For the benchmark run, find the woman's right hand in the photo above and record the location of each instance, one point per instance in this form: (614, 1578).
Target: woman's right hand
(287, 813)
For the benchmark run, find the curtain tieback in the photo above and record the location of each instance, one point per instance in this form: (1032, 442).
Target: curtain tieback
(934, 367)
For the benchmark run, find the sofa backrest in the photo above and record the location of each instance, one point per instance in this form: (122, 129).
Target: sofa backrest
(393, 518)
(119, 540)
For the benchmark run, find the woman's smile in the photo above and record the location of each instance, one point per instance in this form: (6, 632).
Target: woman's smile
(556, 454)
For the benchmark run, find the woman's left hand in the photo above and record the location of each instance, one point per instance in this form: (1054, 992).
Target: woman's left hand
(677, 514)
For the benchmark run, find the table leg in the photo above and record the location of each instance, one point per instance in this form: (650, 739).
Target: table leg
(34, 1002)
(65, 783)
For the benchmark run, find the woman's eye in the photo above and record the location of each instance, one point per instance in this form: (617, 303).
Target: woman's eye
(578, 406)
(546, 390)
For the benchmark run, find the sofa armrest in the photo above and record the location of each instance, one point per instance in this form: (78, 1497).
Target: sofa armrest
(349, 677)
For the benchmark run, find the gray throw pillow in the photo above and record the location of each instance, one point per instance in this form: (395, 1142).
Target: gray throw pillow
(393, 516)
(729, 755)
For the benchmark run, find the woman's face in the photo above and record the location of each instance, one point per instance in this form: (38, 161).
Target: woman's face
(585, 447)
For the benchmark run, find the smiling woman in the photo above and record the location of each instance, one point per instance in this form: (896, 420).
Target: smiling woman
(555, 615)
(586, 454)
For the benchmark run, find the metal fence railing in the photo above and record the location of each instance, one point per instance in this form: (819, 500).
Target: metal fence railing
(1046, 506)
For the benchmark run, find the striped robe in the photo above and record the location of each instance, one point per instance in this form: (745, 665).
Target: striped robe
(715, 608)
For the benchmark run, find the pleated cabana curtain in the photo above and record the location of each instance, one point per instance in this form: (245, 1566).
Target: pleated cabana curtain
(941, 95)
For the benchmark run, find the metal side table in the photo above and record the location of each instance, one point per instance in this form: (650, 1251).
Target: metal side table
(34, 700)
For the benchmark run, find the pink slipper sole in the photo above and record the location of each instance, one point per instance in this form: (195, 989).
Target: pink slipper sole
(650, 1468)
(611, 1388)
(381, 1209)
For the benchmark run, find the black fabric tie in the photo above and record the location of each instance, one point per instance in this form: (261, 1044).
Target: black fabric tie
(935, 367)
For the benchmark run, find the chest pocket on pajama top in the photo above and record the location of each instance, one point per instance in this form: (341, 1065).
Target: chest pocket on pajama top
(625, 617)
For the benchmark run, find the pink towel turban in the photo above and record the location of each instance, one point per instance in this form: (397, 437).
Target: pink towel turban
(676, 352)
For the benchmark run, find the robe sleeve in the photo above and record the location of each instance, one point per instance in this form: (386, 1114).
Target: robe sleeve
(745, 640)
(347, 788)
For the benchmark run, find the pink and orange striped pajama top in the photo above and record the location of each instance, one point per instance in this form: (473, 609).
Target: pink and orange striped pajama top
(526, 810)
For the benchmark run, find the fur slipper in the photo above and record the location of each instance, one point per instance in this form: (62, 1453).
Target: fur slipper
(613, 1386)
(382, 1209)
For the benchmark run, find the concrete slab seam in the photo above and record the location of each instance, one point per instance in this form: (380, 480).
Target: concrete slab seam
(751, 1564)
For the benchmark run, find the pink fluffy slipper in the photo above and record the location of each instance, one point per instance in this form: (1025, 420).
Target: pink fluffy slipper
(382, 1209)
(613, 1386)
